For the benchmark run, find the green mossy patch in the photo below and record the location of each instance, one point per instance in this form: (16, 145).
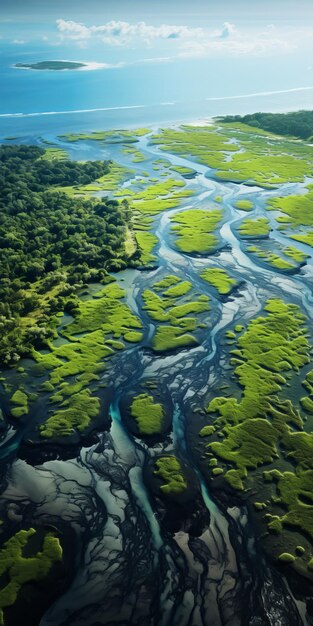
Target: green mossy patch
(104, 311)
(244, 205)
(186, 172)
(146, 243)
(194, 229)
(272, 259)
(148, 414)
(167, 305)
(108, 136)
(169, 470)
(54, 154)
(219, 279)
(178, 290)
(259, 427)
(295, 254)
(16, 570)
(94, 335)
(240, 154)
(296, 209)
(79, 410)
(171, 338)
(285, 557)
(255, 229)
(19, 400)
(158, 197)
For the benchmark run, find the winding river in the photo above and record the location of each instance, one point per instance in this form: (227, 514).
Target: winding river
(129, 569)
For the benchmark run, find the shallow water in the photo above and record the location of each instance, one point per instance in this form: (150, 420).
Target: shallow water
(129, 569)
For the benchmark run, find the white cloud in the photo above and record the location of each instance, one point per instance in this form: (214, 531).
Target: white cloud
(120, 33)
(73, 30)
(18, 42)
(187, 42)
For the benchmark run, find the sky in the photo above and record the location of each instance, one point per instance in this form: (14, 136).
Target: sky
(225, 47)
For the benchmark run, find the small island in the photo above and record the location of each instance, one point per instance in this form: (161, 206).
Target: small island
(51, 65)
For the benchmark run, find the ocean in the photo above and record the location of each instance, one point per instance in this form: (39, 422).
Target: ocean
(53, 102)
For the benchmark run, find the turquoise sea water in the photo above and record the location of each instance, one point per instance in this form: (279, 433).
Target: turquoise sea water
(152, 94)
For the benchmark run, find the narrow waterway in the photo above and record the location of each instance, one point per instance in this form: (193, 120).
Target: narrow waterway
(130, 569)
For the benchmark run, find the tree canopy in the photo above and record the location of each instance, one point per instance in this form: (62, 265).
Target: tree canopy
(50, 243)
(296, 124)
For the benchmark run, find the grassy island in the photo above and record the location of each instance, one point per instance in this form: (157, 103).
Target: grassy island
(52, 65)
(167, 304)
(195, 230)
(169, 470)
(254, 229)
(148, 414)
(296, 215)
(272, 259)
(17, 570)
(219, 279)
(244, 205)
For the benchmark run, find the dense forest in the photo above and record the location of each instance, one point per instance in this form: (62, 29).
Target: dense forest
(297, 124)
(50, 244)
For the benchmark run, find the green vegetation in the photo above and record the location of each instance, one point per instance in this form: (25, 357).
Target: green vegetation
(244, 205)
(106, 311)
(297, 211)
(149, 415)
(168, 281)
(96, 332)
(187, 172)
(136, 155)
(108, 136)
(20, 403)
(148, 202)
(167, 305)
(204, 143)
(307, 401)
(158, 197)
(219, 279)
(52, 65)
(297, 124)
(54, 154)
(17, 570)
(239, 153)
(274, 260)
(254, 228)
(132, 336)
(180, 289)
(169, 469)
(285, 557)
(306, 238)
(295, 254)
(50, 244)
(259, 427)
(171, 338)
(265, 169)
(80, 409)
(109, 182)
(146, 242)
(194, 230)
(269, 347)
